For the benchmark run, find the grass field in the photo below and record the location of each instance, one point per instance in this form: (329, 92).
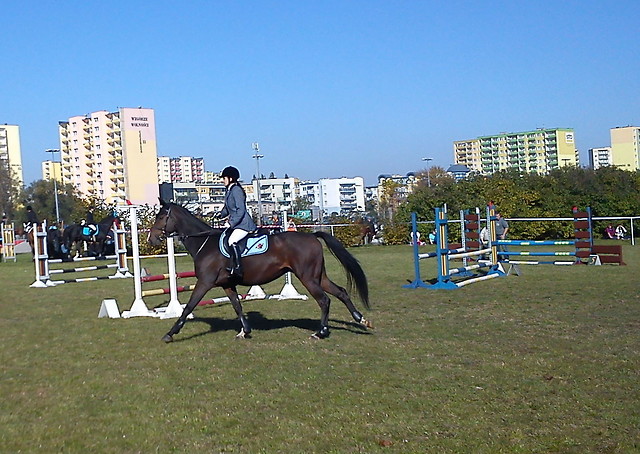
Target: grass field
(538, 363)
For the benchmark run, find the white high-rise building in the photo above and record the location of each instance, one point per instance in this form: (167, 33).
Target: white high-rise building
(600, 157)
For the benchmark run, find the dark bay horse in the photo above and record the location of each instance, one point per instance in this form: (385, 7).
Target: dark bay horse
(300, 253)
(77, 233)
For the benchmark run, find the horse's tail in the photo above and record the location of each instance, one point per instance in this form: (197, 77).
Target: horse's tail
(355, 273)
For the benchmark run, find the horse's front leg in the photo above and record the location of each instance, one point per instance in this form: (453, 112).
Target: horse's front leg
(100, 251)
(199, 291)
(245, 331)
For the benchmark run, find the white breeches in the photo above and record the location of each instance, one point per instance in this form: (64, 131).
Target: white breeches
(237, 235)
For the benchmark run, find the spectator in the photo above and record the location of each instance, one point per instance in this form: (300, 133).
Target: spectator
(432, 237)
(502, 228)
(609, 232)
(484, 237)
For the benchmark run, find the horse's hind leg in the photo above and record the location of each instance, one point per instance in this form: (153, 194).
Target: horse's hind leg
(324, 302)
(332, 288)
(245, 331)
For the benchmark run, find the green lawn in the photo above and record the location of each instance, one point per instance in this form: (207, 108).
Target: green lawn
(542, 362)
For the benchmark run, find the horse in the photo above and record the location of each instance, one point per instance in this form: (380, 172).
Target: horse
(29, 229)
(54, 243)
(298, 252)
(76, 233)
(367, 232)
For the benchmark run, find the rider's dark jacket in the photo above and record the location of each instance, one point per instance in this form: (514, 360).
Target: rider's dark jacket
(236, 208)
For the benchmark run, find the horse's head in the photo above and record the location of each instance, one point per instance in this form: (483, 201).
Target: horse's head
(164, 224)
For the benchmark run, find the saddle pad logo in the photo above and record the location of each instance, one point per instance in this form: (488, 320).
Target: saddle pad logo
(254, 245)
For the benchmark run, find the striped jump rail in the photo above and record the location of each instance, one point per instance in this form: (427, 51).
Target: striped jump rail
(82, 279)
(165, 276)
(536, 242)
(85, 268)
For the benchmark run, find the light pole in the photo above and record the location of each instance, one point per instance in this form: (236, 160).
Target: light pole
(428, 175)
(55, 183)
(257, 156)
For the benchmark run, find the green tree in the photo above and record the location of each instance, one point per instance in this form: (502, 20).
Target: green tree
(9, 191)
(41, 196)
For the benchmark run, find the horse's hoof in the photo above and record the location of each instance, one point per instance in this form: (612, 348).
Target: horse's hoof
(322, 334)
(167, 338)
(243, 335)
(366, 323)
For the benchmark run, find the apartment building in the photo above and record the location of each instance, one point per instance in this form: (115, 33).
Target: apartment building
(625, 142)
(184, 169)
(111, 155)
(405, 184)
(10, 151)
(282, 192)
(51, 170)
(600, 157)
(341, 195)
(538, 151)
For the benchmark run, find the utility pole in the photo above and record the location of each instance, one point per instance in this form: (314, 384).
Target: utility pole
(257, 156)
(428, 175)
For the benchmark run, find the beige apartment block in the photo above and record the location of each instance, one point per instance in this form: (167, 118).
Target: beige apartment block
(10, 151)
(52, 170)
(538, 151)
(111, 155)
(624, 147)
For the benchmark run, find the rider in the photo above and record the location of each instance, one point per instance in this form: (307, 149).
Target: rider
(240, 222)
(89, 224)
(32, 217)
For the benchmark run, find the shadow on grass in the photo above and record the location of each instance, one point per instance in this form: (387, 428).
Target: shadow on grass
(260, 323)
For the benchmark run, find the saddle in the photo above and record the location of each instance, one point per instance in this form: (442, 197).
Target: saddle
(252, 244)
(90, 230)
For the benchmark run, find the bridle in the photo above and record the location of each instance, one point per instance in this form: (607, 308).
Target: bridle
(182, 237)
(163, 230)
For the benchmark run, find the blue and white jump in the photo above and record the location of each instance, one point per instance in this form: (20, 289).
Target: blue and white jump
(583, 244)
(443, 254)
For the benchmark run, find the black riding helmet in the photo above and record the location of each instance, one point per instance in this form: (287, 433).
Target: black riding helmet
(231, 172)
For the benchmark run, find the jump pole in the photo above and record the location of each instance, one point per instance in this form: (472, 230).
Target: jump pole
(8, 242)
(138, 308)
(288, 291)
(40, 257)
(417, 281)
(443, 255)
(174, 308)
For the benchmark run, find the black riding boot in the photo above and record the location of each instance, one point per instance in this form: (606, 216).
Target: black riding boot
(236, 264)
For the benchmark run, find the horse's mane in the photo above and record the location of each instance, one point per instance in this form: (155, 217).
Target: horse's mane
(108, 220)
(193, 219)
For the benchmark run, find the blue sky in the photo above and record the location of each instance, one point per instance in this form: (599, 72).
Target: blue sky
(328, 88)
